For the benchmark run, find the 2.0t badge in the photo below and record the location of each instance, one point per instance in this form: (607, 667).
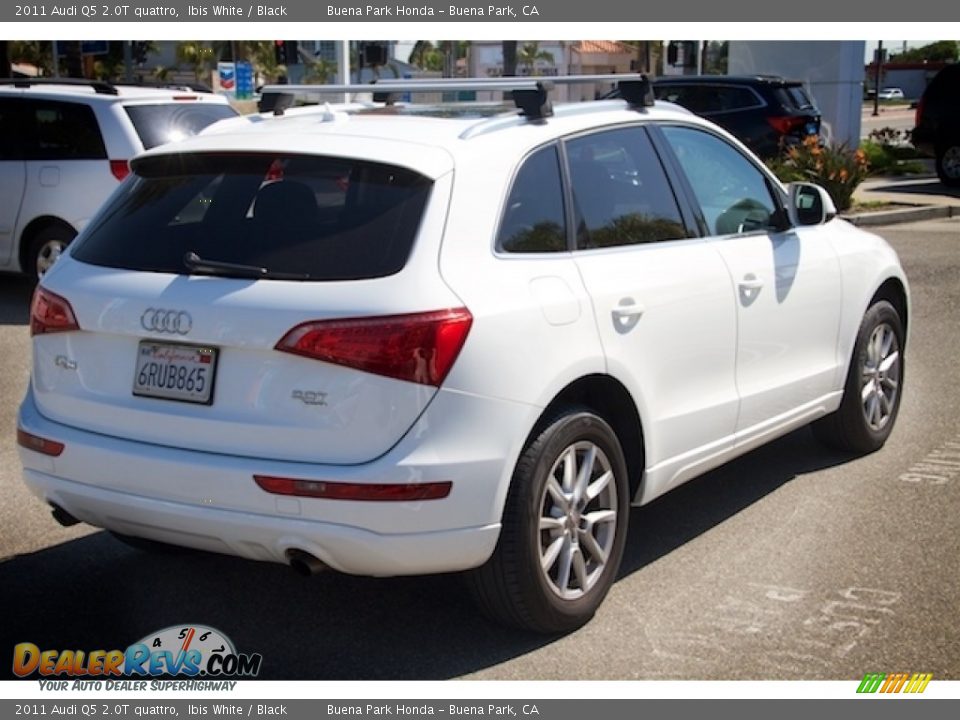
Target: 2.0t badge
(174, 322)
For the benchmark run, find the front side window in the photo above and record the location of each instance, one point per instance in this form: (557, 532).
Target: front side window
(732, 192)
(533, 219)
(620, 191)
(291, 216)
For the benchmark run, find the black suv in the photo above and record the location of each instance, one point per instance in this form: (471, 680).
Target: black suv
(938, 124)
(765, 112)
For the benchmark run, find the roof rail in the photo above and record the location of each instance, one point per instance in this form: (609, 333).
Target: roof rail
(101, 87)
(531, 95)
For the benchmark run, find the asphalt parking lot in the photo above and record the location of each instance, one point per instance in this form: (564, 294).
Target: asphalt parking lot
(793, 562)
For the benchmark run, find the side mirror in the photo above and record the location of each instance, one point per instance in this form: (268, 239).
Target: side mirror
(809, 205)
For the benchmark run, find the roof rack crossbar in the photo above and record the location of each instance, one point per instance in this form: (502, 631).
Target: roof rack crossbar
(100, 87)
(531, 95)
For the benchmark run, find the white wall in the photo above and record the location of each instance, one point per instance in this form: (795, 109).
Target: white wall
(831, 70)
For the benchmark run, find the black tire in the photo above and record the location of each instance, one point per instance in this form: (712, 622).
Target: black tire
(512, 588)
(948, 164)
(45, 247)
(864, 420)
(154, 547)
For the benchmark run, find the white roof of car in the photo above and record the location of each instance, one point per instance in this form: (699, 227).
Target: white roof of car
(123, 93)
(425, 143)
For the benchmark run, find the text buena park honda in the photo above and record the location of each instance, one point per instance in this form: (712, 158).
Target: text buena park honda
(430, 709)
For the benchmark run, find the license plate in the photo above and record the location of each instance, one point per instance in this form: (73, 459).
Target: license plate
(812, 129)
(175, 372)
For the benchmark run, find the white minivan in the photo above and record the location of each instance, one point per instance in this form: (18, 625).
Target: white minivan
(64, 147)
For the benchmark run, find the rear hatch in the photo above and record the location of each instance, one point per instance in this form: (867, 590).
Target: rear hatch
(797, 115)
(260, 304)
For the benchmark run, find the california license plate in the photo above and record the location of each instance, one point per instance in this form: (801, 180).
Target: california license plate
(175, 372)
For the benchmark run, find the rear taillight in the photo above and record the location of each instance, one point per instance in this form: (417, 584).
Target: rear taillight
(39, 444)
(371, 492)
(420, 347)
(119, 168)
(50, 313)
(919, 115)
(786, 124)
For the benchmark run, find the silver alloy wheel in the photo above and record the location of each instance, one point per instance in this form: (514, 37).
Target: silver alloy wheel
(950, 162)
(578, 520)
(880, 377)
(48, 254)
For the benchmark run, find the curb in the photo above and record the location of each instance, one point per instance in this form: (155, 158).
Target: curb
(903, 215)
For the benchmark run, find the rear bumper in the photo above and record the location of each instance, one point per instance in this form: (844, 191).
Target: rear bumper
(262, 537)
(211, 501)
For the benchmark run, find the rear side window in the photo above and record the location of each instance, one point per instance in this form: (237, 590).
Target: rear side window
(159, 124)
(688, 96)
(727, 98)
(271, 216)
(620, 191)
(533, 220)
(62, 131)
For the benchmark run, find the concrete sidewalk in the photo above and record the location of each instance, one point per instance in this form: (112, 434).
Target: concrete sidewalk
(912, 198)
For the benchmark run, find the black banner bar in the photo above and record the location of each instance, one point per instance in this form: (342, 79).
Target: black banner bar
(327, 11)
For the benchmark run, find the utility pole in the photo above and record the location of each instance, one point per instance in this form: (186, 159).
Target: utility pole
(876, 78)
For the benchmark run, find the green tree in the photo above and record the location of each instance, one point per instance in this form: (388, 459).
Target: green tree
(940, 51)
(198, 54)
(38, 53)
(528, 55)
(320, 71)
(716, 58)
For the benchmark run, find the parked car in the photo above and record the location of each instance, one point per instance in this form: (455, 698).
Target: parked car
(421, 339)
(765, 112)
(937, 131)
(891, 93)
(64, 147)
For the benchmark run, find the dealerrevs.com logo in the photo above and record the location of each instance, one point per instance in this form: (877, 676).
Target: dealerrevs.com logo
(909, 683)
(193, 651)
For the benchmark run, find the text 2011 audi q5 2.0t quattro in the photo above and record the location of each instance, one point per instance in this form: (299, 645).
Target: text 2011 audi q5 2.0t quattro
(402, 339)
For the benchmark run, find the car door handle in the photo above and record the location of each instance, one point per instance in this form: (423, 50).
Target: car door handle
(626, 311)
(751, 282)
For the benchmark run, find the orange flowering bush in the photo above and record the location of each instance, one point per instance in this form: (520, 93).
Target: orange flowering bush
(836, 168)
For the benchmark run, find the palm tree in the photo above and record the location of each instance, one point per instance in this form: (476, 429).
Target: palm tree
(530, 53)
(196, 53)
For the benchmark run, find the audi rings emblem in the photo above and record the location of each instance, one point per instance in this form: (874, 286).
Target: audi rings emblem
(174, 322)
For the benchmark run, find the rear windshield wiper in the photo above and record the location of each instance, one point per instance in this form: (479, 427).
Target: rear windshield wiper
(227, 269)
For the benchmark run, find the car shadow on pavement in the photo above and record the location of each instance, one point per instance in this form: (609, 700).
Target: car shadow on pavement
(918, 187)
(15, 294)
(96, 593)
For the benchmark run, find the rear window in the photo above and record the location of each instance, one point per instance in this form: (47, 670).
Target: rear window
(795, 97)
(261, 216)
(159, 124)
